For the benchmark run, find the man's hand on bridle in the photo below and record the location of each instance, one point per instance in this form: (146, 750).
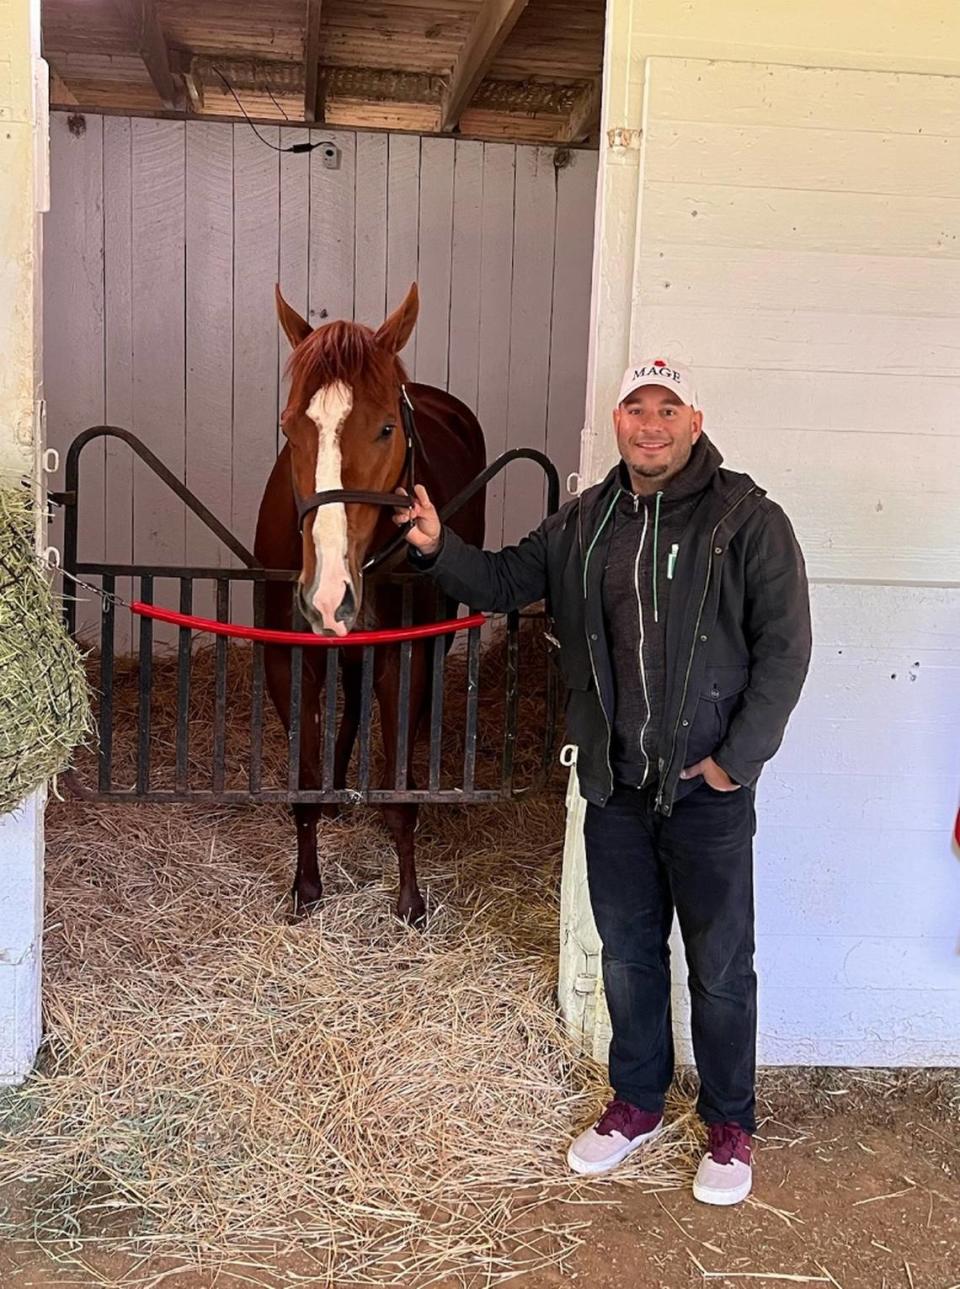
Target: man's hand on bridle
(425, 528)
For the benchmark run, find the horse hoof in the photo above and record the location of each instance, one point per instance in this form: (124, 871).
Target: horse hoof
(413, 912)
(305, 903)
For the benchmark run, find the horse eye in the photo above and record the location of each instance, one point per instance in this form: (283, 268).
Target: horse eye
(386, 431)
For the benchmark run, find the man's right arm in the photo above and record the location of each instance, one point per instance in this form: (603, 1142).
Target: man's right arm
(491, 581)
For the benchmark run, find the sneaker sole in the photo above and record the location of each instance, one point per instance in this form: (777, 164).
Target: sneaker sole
(587, 1169)
(708, 1195)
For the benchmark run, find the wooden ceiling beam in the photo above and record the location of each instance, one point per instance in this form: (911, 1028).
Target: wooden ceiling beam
(60, 92)
(493, 24)
(583, 119)
(140, 18)
(312, 105)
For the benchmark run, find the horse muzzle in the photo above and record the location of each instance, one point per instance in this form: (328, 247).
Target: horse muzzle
(330, 614)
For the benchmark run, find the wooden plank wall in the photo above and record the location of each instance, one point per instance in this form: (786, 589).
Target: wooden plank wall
(163, 245)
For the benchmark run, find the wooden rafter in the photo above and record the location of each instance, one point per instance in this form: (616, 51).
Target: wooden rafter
(583, 119)
(60, 91)
(312, 106)
(140, 17)
(493, 24)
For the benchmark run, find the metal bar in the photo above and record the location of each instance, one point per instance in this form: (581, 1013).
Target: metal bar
(107, 622)
(473, 487)
(473, 685)
(436, 701)
(256, 694)
(196, 571)
(220, 688)
(169, 478)
(366, 712)
(436, 714)
(183, 689)
(346, 796)
(403, 707)
(550, 719)
(510, 700)
(146, 678)
(330, 718)
(70, 521)
(296, 702)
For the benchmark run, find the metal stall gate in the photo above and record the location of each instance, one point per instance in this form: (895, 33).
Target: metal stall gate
(178, 750)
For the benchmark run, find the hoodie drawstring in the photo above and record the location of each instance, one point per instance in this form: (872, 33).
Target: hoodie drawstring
(656, 535)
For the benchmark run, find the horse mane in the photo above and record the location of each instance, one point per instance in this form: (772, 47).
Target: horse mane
(340, 351)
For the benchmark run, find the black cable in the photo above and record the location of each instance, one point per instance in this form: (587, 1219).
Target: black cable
(294, 147)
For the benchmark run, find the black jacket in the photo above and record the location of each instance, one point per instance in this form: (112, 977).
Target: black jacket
(737, 635)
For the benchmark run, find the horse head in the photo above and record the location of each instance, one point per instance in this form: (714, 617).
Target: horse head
(345, 431)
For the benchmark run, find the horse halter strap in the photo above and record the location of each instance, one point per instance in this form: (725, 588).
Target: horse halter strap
(307, 505)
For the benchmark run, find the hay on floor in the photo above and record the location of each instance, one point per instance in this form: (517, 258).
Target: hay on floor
(341, 1098)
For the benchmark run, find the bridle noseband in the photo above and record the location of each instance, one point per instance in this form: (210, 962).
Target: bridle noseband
(307, 505)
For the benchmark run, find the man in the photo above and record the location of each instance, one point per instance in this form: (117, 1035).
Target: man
(680, 602)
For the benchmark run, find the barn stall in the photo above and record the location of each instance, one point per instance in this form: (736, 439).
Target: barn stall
(658, 113)
(167, 234)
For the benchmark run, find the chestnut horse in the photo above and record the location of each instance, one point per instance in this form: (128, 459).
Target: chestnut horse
(344, 430)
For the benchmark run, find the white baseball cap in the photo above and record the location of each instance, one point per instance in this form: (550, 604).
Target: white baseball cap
(659, 371)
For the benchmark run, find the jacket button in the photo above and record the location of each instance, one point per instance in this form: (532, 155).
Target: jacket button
(718, 550)
(593, 635)
(703, 638)
(684, 724)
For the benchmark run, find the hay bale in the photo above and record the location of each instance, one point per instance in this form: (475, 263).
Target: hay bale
(43, 691)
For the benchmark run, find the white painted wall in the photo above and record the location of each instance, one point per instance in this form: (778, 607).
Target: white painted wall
(165, 240)
(23, 154)
(797, 237)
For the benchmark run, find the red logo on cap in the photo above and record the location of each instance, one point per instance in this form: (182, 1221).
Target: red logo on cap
(658, 362)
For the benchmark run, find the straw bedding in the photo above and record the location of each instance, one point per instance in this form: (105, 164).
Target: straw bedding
(340, 1098)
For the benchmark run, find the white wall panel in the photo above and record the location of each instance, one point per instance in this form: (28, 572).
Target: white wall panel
(466, 271)
(496, 289)
(74, 317)
(208, 278)
(118, 355)
(294, 220)
(532, 303)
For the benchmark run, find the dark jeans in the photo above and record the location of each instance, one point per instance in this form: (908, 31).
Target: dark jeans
(640, 867)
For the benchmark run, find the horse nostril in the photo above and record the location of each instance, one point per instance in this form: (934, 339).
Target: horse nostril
(348, 605)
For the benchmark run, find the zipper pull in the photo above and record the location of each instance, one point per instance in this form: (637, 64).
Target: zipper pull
(672, 560)
(636, 503)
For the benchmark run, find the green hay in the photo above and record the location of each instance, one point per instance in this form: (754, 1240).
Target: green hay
(44, 701)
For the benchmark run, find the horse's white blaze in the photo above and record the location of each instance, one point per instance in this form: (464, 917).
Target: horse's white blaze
(329, 409)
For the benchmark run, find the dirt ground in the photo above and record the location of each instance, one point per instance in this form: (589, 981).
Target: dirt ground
(857, 1184)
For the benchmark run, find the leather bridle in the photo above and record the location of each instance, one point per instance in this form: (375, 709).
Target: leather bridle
(414, 449)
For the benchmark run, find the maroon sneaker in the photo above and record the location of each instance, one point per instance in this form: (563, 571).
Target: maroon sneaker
(619, 1131)
(725, 1174)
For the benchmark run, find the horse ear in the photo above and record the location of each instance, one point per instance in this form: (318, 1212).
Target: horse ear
(395, 332)
(295, 328)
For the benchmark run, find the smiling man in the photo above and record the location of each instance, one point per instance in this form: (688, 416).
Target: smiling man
(680, 602)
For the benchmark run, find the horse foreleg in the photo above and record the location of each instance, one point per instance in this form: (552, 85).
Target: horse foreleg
(401, 819)
(307, 886)
(346, 734)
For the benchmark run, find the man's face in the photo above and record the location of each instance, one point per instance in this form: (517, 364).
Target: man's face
(655, 434)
